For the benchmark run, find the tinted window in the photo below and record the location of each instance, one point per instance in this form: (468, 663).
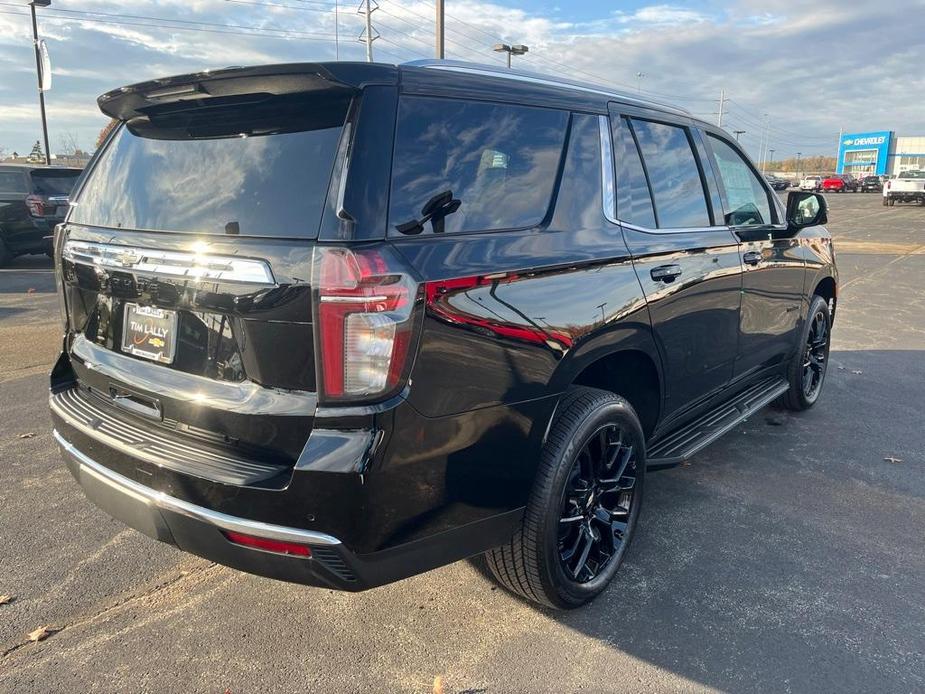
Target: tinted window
(673, 173)
(261, 185)
(12, 182)
(54, 183)
(499, 162)
(634, 204)
(746, 199)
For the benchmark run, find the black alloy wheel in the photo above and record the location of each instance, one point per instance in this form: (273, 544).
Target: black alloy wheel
(807, 368)
(584, 506)
(815, 355)
(596, 504)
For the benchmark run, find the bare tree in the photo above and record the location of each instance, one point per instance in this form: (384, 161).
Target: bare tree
(68, 143)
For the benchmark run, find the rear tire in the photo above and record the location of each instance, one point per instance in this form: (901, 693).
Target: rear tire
(807, 369)
(583, 507)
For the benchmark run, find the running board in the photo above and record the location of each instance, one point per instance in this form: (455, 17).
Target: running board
(676, 447)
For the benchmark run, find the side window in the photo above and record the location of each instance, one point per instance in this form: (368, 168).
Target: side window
(471, 166)
(634, 203)
(673, 174)
(12, 182)
(747, 200)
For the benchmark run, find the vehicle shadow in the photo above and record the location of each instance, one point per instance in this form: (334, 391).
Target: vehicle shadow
(28, 274)
(788, 555)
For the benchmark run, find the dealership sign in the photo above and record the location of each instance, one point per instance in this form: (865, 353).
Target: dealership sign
(867, 151)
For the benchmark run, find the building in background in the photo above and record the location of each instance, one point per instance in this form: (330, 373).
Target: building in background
(880, 152)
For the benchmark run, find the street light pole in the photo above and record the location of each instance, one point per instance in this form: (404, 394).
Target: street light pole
(737, 133)
(38, 72)
(799, 154)
(639, 76)
(516, 49)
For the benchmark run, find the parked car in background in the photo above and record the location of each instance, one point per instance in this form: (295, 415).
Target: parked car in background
(839, 183)
(382, 346)
(33, 199)
(812, 182)
(871, 184)
(908, 186)
(776, 182)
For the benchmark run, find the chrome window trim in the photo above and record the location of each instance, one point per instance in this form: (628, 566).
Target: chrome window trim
(160, 500)
(673, 230)
(608, 187)
(187, 265)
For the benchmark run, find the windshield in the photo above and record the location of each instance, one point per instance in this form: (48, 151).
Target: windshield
(914, 174)
(188, 174)
(54, 183)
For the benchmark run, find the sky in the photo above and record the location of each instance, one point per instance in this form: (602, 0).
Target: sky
(815, 67)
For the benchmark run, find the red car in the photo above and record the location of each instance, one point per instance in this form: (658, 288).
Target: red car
(839, 184)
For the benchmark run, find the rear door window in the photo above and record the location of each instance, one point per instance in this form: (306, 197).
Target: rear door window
(259, 174)
(634, 202)
(746, 201)
(673, 175)
(465, 166)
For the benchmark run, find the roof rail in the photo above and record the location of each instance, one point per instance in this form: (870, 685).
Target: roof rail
(540, 78)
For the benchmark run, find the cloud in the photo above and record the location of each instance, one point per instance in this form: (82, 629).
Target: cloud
(813, 65)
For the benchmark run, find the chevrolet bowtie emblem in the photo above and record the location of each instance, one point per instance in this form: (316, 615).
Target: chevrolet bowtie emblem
(128, 258)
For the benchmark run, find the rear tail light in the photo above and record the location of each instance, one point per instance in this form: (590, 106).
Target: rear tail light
(36, 205)
(364, 321)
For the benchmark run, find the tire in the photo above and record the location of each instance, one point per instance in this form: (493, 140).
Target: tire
(884, 202)
(811, 359)
(575, 531)
(891, 202)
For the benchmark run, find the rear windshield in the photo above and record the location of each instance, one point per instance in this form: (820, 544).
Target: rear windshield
(217, 175)
(914, 174)
(53, 183)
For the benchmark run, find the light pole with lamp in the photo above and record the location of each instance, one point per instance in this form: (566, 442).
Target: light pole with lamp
(737, 133)
(38, 71)
(517, 49)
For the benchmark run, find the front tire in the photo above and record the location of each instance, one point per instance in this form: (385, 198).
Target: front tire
(808, 366)
(584, 505)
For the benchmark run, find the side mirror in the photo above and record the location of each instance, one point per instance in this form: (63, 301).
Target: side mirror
(806, 209)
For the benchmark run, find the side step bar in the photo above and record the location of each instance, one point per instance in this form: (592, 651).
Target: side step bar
(677, 446)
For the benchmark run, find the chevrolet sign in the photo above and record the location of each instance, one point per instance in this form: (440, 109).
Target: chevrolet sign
(860, 153)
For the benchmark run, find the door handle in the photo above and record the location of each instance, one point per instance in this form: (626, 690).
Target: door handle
(665, 273)
(752, 258)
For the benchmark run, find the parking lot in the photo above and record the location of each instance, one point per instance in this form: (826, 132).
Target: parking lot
(789, 556)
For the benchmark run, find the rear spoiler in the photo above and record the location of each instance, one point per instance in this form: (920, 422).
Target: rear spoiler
(198, 88)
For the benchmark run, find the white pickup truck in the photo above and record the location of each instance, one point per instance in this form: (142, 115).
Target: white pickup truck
(908, 186)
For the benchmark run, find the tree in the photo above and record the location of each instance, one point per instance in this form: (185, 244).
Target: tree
(104, 133)
(37, 155)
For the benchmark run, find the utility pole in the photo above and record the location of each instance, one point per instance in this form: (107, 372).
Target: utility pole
(799, 154)
(722, 107)
(336, 37)
(639, 76)
(438, 29)
(737, 133)
(38, 71)
(765, 141)
(369, 34)
(770, 156)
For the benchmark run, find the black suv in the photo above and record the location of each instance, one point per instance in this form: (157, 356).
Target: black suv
(341, 323)
(33, 199)
(871, 184)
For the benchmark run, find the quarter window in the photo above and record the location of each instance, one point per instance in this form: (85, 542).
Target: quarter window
(634, 203)
(747, 200)
(472, 166)
(673, 175)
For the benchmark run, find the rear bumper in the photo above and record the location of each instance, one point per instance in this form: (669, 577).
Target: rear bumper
(199, 530)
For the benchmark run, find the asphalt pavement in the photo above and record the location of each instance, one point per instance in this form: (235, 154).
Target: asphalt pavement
(788, 556)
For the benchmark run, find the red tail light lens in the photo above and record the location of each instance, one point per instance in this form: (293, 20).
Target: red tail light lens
(364, 309)
(267, 545)
(36, 205)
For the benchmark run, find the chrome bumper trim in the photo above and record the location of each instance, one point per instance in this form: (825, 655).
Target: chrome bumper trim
(159, 500)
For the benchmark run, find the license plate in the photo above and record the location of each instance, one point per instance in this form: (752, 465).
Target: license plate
(150, 333)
